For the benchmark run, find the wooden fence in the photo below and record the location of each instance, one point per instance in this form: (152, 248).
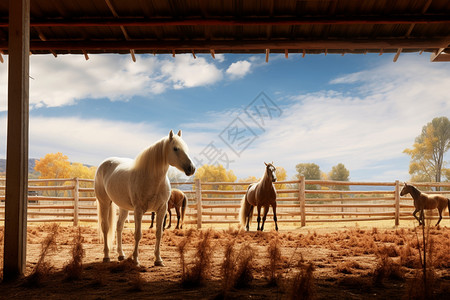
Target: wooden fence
(298, 202)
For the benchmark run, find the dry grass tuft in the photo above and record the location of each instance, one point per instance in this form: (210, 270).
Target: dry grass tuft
(197, 272)
(302, 286)
(237, 267)
(244, 272)
(387, 269)
(228, 267)
(347, 267)
(274, 252)
(74, 268)
(181, 248)
(43, 267)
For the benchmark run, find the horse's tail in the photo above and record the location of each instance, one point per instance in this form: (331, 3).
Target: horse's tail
(245, 211)
(106, 210)
(183, 208)
(107, 220)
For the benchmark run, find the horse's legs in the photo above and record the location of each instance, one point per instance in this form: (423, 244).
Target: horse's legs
(160, 214)
(258, 208)
(177, 210)
(249, 216)
(138, 213)
(153, 218)
(440, 217)
(105, 214)
(123, 214)
(274, 209)
(415, 216)
(266, 210)
(422, 217)
(170, 218)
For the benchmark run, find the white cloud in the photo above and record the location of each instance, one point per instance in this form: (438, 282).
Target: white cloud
(186, 72)
(238, 69)
(68, 78)
(366, 128)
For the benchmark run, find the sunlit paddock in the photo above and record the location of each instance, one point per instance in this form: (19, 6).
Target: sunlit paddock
(347, 246)
(218, 203)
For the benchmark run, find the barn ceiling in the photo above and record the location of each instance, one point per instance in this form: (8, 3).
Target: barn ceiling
(236, 26)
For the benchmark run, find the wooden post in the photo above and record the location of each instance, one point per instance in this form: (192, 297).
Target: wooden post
(397, 203)
(16, 196)
(198, 195)
(75, 201)
(302, 200)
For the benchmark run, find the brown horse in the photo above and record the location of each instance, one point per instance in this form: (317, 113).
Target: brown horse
(424, 201)
(177, 200)
(261, 194)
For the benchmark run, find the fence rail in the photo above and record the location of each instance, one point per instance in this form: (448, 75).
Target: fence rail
(73, 200)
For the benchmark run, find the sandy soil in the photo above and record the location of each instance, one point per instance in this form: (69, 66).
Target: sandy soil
(347, 264)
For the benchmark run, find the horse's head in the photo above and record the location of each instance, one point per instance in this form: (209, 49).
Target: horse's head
(406, 189)
(178, 154)
(270, 169)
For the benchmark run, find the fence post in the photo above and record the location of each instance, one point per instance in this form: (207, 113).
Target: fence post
(75, 201)
(302, 199)
(397, 203)
(198, 195)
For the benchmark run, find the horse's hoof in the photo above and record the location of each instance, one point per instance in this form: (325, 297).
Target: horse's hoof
(106, 260)
(121, 257)
(159, 263)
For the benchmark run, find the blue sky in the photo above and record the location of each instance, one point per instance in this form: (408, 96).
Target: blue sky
(359, 110)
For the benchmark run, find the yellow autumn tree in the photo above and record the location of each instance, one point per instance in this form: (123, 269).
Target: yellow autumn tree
(53, 165)
(427, 154)
(215, 173)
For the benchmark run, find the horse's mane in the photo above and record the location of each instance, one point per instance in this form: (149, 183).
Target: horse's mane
(152, 157)
(415, 192)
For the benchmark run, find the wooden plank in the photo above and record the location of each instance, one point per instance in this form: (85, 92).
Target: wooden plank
(230, 21)
(15, 238)
(186, 46)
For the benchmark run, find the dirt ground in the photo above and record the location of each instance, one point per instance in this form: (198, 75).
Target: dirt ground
(347, 263)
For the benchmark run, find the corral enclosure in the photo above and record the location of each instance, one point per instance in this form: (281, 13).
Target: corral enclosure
(299, 203)
(357, 262)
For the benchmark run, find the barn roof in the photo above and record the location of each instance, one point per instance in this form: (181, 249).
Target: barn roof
(236, 26)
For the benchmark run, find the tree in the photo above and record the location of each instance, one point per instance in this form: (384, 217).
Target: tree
(215, 173)
(339, 173)
(310, 171)
(81, 171)
(53, 165)
(427, 154)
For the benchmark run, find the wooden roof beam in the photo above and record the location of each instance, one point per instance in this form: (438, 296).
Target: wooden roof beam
(328, 20)
(232, 45)
(124, 31)
(440, 55)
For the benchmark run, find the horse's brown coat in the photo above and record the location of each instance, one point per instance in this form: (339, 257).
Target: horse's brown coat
(261, 194)
(424, 201)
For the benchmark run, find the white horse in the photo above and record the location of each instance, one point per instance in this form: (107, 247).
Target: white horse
(139, 185)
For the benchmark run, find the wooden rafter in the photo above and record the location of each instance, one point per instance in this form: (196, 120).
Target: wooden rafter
(234, 45)
(282, 21)
(122, 27)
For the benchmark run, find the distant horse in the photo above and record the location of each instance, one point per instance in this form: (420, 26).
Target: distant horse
(140, 185)
(261, 194)
(424, 201)
(177, 200)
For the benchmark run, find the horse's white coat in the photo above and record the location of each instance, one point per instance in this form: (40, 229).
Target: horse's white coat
(139, 185)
